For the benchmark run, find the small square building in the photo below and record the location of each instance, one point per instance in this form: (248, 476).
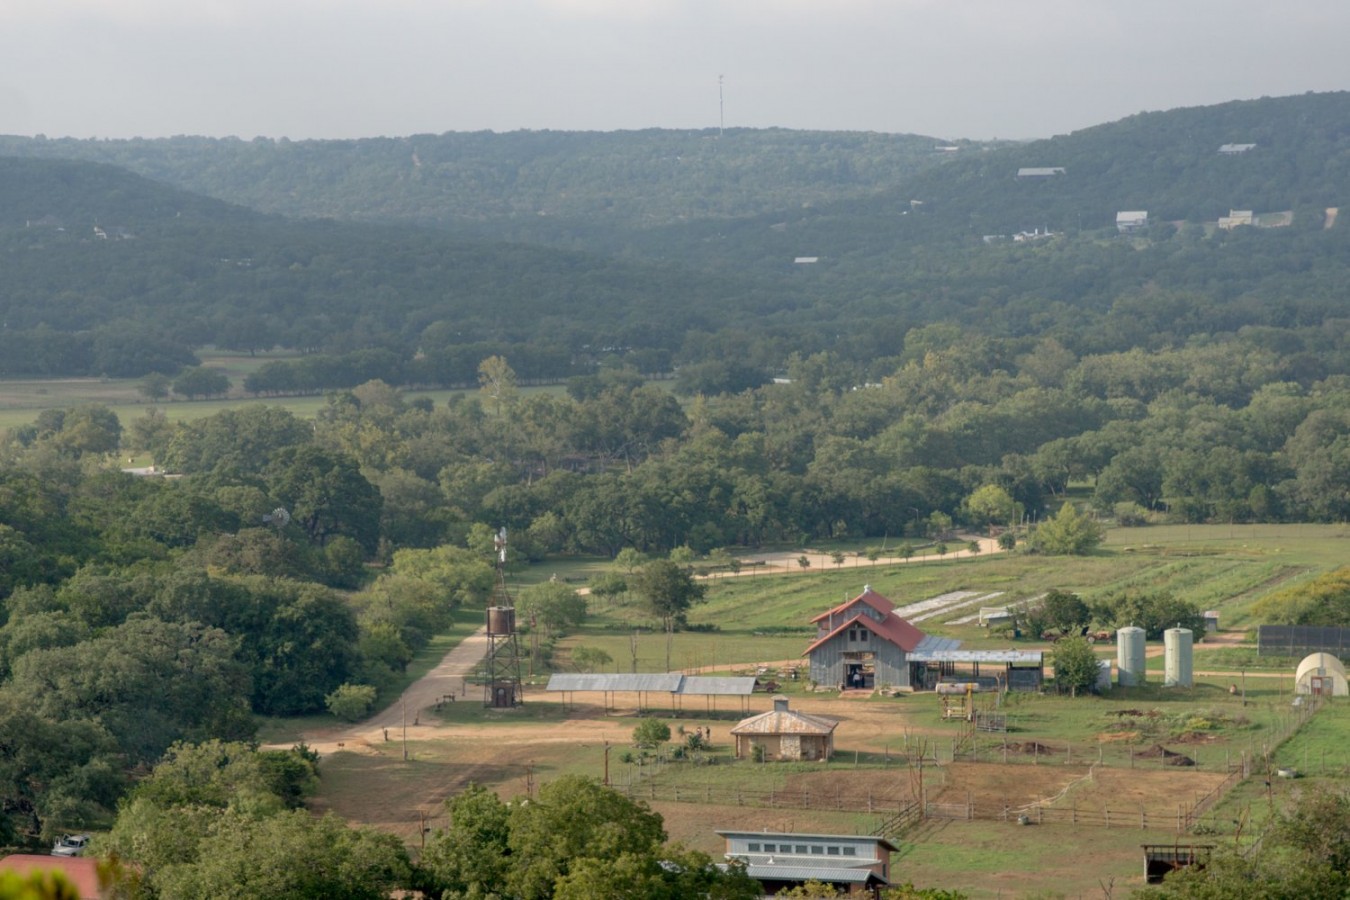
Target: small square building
(785, 734)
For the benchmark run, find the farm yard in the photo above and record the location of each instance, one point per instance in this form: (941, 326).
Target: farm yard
(1088, 775)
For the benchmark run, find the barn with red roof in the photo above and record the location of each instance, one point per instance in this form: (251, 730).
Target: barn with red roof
(862, 643)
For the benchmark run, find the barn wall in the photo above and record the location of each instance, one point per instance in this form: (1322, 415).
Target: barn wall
(827, 661)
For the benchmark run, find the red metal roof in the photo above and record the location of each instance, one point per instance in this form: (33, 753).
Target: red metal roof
(81, 871)
(868, 596)
(894, 630)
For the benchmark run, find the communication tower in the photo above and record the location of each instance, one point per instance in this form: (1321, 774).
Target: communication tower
(502, 688)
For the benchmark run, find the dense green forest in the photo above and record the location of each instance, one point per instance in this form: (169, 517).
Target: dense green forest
(110, 273)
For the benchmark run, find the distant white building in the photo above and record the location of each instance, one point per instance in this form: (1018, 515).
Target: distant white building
(1235, 218)
(1231, 149)
(1040, 171)
(805, 260)
(1128, 221)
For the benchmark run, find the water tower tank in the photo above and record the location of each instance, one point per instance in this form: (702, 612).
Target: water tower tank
(1177, 658)
(501, 619)
(1130, 655)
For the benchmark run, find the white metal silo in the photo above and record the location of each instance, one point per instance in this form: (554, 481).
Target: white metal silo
(1103, 675)
(1177, 658)
(1130, 655)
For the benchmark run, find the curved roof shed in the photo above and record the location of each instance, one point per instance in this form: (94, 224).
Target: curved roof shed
(1321, 673)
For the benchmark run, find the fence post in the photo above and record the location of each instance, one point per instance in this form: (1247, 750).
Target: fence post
(970, 807)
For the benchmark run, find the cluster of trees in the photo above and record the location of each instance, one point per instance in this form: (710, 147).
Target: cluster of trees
(1305, 855)
(222, 819)
(576, 839)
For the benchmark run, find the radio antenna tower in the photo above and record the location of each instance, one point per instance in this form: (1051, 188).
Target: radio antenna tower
(502, 689)
(721, 109)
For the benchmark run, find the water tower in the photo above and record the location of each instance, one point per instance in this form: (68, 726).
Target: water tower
(502, 687)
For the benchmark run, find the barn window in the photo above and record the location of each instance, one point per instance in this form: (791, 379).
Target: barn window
(801, 848)
(817, 850)
(770, 848)
(850, 851)
(834, 851)
(754, 848)
(862, 635)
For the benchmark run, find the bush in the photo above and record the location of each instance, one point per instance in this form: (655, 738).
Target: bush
(351, 702)
(650, 732)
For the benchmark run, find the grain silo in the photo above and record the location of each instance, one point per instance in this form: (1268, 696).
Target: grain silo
(1103, 676)
(1130, 656)
(1177, 658)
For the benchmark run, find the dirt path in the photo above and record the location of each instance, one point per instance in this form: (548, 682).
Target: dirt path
(447, 679)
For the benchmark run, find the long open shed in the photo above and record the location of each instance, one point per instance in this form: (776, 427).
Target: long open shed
(675, 684)
(1013, 669)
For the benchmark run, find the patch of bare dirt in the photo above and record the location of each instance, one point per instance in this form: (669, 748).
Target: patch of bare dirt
(1169, 757)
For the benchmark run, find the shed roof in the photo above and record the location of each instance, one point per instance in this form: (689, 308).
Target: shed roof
(808, 836)
(786, 721)
(717, 686)
(808, 873)
(81, 870)
(1011, 657)
(667, 682)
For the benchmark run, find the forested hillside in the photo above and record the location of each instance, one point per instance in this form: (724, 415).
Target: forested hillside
(561, 186)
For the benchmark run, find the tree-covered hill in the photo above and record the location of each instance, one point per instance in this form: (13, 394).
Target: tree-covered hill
(669, 248)
(110, 273)
(526, 184)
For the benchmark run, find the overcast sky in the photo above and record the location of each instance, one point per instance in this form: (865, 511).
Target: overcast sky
(361, 68)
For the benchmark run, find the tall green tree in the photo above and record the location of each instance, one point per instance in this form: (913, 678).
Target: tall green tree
(1069, 533)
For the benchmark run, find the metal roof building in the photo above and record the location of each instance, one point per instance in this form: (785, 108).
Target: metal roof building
(853, 863)
(676, 684)
(783, 733)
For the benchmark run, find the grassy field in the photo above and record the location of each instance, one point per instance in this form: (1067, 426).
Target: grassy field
(22, 399)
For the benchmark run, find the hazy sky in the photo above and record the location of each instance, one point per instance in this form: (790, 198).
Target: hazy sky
(359, 68)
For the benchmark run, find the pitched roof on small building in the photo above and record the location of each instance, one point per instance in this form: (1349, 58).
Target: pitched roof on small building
(82, 871)
(781, 720)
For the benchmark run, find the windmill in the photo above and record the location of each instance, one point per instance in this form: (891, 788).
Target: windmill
(278, 517)
(502, 688)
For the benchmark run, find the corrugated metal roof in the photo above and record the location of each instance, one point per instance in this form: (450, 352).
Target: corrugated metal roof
(786, 721)
(931, 643)
(806, 873)
(978, 656)
(873, 839)
(668, 682)
(718, 686)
